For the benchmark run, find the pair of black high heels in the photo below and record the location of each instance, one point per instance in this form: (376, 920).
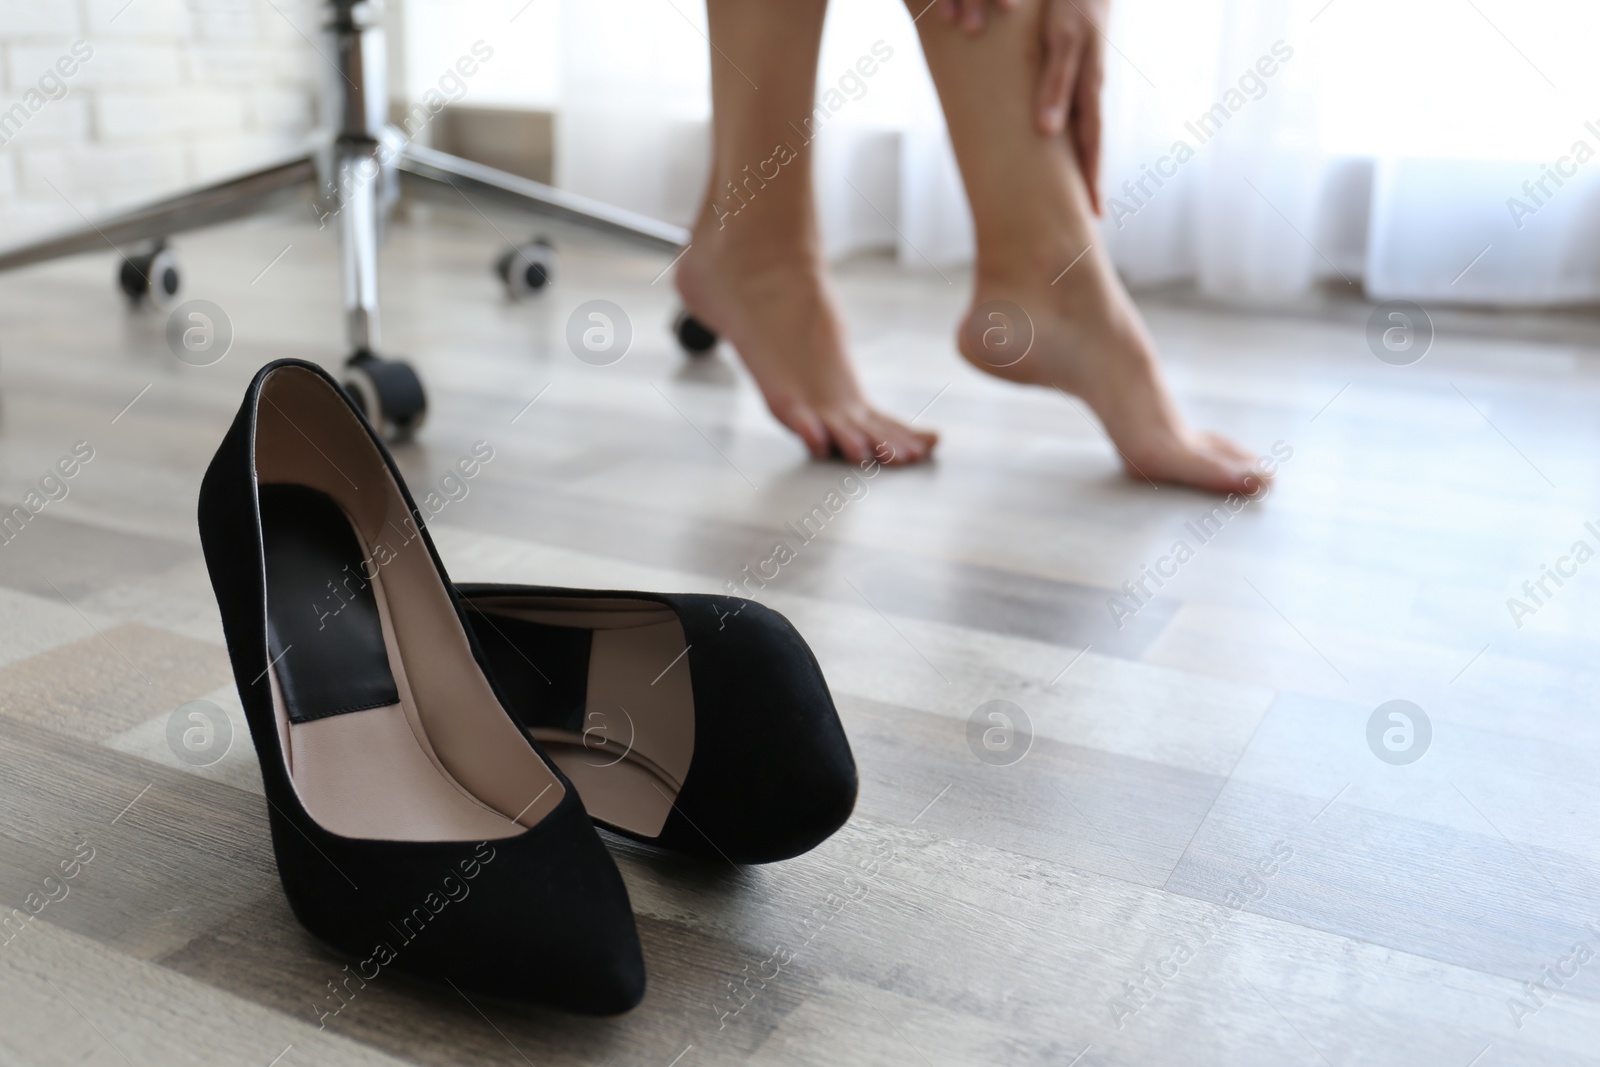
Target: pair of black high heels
(435, 757)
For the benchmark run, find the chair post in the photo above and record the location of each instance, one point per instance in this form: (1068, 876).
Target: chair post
(358, 99)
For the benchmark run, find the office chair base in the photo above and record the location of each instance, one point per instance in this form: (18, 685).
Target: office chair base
(388, 392)
(350, 176)
(694, 336)
(526, 269)
(151, 278)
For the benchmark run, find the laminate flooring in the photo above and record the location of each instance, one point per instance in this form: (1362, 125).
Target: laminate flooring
(1199, 857)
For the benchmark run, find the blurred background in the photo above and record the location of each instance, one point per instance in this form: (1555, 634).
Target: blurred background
(1405, 143)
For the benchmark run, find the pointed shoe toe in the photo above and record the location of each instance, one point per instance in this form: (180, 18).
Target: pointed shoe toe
(700, 724)
(541, 918)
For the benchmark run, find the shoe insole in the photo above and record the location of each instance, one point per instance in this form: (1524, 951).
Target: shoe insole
(359, 758)
(603, 687)
(320, 606)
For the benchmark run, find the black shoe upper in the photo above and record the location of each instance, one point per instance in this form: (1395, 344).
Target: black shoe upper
(539, 917)
(772, 774)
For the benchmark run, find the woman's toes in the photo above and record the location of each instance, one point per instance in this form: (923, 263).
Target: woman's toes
(808, 426)
(1230, 474)
(920, 442)
(1242, 461)
(910, 447)
(1193, 460)
(1226, 446)
(1210, 473)
(851, 440)
(894, 443)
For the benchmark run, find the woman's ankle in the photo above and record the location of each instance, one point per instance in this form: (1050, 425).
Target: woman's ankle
(1057, 281)
(757, 243)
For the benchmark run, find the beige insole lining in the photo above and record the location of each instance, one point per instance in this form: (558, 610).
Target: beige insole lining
(446, 762)
(637, 742)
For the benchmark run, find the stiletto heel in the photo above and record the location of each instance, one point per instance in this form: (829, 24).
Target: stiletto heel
(415, 826)
(701, 724)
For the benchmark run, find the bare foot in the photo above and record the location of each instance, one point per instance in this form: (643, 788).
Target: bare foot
(771, 300)
(1087, 339)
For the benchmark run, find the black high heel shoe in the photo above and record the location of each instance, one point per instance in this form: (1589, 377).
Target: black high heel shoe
(701, 724)
(415, 827)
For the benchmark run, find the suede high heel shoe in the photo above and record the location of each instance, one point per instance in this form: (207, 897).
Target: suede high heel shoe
(416, 827)
(701, 724)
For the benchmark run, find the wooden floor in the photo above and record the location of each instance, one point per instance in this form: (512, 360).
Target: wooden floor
(1199, 860)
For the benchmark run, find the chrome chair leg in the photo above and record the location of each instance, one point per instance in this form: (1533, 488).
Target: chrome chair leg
(269, 188)
(448, 179)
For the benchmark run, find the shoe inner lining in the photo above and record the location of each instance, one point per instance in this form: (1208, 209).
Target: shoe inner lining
(605, 685)
(389, 728)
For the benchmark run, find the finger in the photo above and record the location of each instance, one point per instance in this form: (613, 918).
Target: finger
(1061, 59)
(972, 16)
(1086, 120)
(949, 10)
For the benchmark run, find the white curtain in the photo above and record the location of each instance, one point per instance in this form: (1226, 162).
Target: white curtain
(1385, 143)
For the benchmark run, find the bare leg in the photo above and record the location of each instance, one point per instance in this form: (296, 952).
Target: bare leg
(755, 273)
(1032, 218)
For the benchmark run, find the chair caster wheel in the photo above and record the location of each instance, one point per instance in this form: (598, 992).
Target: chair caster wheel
(527, 268)
(693, 335)
(151, 278)
(389, 394)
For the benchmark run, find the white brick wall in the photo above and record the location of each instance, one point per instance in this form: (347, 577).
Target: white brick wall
(177, 92)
